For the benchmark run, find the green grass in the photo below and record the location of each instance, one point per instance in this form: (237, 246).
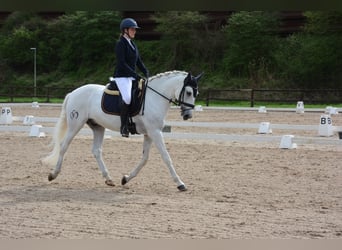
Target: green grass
(30, 99)
(267, 105)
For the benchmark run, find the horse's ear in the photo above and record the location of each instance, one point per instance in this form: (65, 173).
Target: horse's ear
(188, 77)
(199, 76)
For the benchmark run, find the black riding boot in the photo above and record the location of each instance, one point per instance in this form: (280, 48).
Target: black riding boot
(124, 120)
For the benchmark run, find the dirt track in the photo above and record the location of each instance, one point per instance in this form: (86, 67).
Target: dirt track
(236, 190)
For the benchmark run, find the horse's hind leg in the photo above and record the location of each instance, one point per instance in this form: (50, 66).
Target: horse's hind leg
(64, 147)
(98, 132)
(146, 151)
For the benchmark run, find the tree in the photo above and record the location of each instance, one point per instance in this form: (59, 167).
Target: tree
(186, 41)
(312, 58)
(84, 39)
(21, 32)
(323, 22)
(251, 40)
(73, 44)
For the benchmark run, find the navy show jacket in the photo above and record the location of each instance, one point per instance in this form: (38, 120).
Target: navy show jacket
(127, 59)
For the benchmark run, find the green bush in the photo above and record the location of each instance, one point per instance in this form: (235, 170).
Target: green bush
(79, 47)
(312, 58)
(251, 41)
(86, 39)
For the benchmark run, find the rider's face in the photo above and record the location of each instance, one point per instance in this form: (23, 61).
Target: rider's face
(131, 32)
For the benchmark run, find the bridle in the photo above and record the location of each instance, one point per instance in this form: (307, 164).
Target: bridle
(180, 101)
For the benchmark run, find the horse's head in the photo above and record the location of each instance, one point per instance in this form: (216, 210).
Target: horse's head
(188, 95)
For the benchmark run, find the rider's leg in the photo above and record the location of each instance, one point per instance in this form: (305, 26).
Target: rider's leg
(125, 86)
(124, 120)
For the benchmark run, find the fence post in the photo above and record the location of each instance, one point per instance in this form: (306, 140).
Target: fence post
(208, 97)
(12, 93)
(252, 98)
(48, 94)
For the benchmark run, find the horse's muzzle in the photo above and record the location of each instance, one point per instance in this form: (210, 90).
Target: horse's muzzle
(186, 113)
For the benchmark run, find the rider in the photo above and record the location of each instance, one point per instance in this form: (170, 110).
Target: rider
(127, 58)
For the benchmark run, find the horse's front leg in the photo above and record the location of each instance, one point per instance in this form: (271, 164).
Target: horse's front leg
(159, 142)
(146, 151)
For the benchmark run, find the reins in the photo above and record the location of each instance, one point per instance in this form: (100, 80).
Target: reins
(165, 97)
(155, 91)
(176, 102)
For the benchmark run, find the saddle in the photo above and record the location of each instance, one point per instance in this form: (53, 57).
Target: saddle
(111, 100)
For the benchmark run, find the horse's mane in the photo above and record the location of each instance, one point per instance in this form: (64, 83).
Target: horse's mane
(166, 74)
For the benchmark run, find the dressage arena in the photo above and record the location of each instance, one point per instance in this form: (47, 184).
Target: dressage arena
(241, 185)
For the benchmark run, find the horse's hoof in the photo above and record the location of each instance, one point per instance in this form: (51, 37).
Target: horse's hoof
(110, 183)
(182, 188)
(51, 177)
(123, 180)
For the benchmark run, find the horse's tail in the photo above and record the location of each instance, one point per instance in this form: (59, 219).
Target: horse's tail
(58, 135)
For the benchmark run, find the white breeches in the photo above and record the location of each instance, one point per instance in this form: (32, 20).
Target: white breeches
(125, 86)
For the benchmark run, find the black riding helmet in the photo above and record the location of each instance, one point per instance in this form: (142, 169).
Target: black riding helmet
(128, 23)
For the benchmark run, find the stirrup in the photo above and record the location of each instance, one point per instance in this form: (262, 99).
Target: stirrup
(124, 131)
